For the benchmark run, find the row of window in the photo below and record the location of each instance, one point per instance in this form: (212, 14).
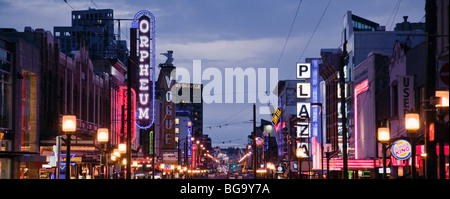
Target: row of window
(361, 26)
(92, 16)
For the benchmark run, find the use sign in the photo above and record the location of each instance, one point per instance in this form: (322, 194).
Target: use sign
(401, 149)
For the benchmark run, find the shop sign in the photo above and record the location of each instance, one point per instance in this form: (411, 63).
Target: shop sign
(401, 149)
(259, 141)
(276, 116)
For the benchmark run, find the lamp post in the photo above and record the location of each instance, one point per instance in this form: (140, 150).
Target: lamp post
(69, 126)
(102, 138)
(412, 125)
(383, 138)
(122, 150)
(115, 156)
(442, 111)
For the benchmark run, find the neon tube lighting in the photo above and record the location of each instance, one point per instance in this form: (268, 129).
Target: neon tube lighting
(153, 61)
(360, 88)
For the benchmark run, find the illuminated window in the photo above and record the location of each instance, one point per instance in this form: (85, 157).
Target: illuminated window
(177, 121)
(177, 130)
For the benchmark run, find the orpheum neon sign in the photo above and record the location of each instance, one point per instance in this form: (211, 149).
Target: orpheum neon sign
(145, 22)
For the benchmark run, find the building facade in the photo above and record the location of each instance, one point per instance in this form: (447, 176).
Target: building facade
(371, 103)
(363, 37)
(50, 84)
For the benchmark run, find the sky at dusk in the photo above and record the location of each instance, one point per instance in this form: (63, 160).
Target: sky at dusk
(226, 34)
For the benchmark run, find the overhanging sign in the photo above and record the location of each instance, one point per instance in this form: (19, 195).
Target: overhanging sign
(303, 108)
(276, 116)
(145, 22)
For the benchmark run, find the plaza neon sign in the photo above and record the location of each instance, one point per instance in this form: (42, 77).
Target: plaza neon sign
(303, 108)
(145, 22)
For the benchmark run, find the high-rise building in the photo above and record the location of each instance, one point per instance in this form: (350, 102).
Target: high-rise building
(96, 28)
(189, 100)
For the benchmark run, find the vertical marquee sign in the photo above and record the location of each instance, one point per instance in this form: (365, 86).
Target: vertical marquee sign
(144, 21)
(303, 108)
(167, 79)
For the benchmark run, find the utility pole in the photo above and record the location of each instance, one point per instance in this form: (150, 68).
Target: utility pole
(430, 86)
(254, 141)
(68, 140)
(58, 156)
(129, 152)
(343, 105)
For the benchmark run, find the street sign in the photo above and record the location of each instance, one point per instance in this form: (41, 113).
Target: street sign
(276, 116)
(443, 80)
(259, 141)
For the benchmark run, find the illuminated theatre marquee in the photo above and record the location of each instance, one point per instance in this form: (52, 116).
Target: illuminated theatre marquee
(303, 108)
(145, 22)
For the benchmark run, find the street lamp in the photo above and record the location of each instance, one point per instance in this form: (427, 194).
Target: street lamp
(122, 148)
(102, 137)
(69, 126)
(442, 110)
(383, 138)
(443, 98)
(412, 125)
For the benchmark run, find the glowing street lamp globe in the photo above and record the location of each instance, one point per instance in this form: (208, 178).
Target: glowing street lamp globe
(412, 121)
(69, 123)
(102, 135)
(383, 135)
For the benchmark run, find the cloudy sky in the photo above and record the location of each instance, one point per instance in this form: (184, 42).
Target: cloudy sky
(226, 34)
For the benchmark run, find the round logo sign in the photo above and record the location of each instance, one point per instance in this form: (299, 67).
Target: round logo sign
(401, 149)
(259, 141)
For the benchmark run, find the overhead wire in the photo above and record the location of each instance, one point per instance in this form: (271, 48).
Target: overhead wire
(289, 34)
(315, 29)
(394, 11)
(69, 4)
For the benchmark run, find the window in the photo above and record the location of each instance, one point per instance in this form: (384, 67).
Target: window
(177, 130)
(177, 121)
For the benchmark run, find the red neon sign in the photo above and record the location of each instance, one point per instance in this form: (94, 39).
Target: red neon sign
(337, 164)
(122, 99)
(360, 88)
